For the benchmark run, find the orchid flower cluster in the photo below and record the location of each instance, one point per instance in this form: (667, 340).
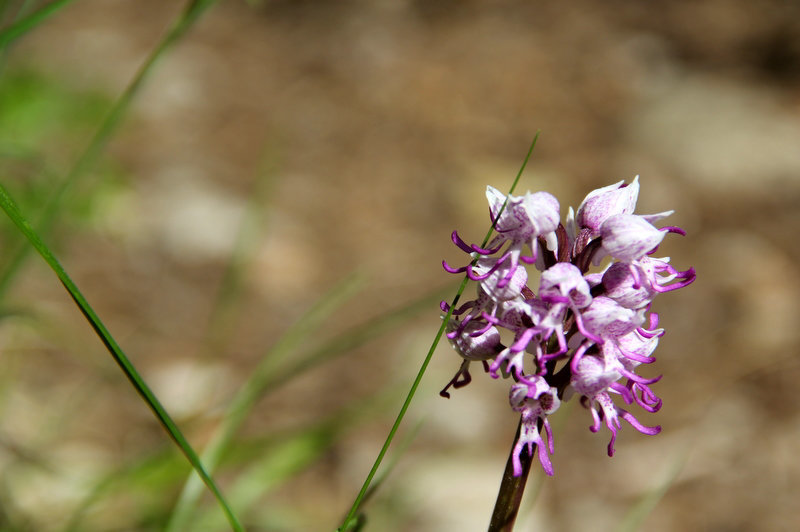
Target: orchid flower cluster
(584, 334)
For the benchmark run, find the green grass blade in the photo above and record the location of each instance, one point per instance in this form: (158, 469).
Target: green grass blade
(109, 126)
(282, 456)
(377, 482)
(270, 381)
(26, 24)
(349, 520)
(253, 390)
(116, 352)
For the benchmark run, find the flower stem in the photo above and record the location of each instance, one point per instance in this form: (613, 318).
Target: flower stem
(511, 488)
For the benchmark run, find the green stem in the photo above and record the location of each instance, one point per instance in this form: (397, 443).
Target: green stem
(11, 209)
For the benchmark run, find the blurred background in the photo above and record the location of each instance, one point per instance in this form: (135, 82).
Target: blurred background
(282, 148)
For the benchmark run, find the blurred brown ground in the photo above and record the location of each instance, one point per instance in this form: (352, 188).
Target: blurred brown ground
(384, 122)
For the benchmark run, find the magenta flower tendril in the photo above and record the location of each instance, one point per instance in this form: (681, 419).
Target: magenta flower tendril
(534, 399)
(583, 326)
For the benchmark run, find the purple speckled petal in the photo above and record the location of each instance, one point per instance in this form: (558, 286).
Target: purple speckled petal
(628, 237)
(608, 201)
(543, 213)
(619, 283)
(594, 375)
(565, 280)
(483, 347)
(605, 318)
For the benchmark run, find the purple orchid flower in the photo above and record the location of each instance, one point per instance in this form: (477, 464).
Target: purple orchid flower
(599, 323)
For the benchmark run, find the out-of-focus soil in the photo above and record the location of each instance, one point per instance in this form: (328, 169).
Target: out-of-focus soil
(378, 126)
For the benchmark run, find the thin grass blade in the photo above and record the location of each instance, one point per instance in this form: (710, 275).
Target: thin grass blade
(254, 388)
(10, 208)
(286, 455)
(106, 130)
(24, 25)
(336, 346)
(349, 520)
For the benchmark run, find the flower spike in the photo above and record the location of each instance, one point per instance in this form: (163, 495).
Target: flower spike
(574, 331)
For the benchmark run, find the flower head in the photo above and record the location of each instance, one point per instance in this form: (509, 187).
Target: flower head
(592, 321)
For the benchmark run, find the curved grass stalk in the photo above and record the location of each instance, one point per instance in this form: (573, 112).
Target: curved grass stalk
(244, 401)
(22, 26)
(282, 456)
(109, 126)
(271, 380)
(10, 208)
(349, 520)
